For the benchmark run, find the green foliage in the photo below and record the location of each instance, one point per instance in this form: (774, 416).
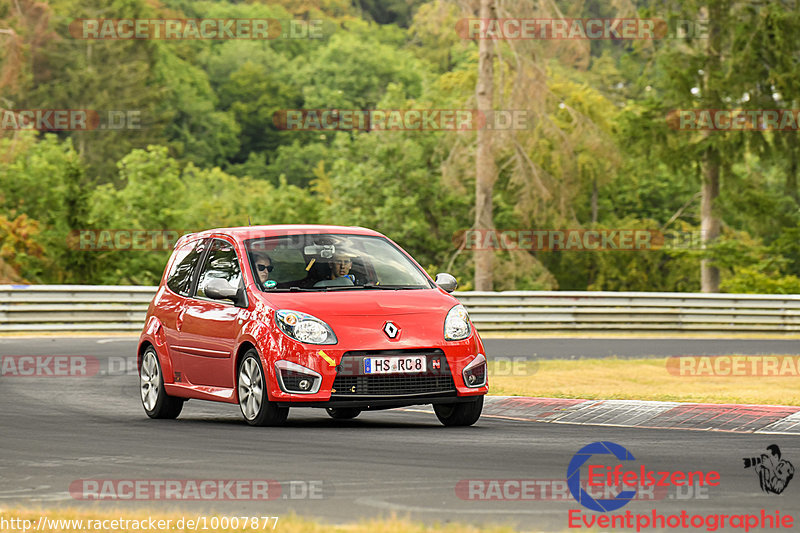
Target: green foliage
(389, 11)
(353, 70)
(298, 163)
(755, 281)
(100, 75)
(160, 195)
(43, 188)
(253, 96)
(397, 189)
(656, 268)
(197, 130)
(20, 249)
(598, 151)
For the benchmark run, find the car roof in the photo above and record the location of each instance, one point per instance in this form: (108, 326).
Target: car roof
(242, 233)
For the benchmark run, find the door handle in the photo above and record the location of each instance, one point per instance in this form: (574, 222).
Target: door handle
(179, 320)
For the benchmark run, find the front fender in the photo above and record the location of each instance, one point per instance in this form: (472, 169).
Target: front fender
(257, 333)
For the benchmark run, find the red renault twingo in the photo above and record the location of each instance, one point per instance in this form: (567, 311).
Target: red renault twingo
(273, 317)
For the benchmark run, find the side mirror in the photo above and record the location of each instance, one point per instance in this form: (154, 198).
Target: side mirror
(219, 289)
(446, 281)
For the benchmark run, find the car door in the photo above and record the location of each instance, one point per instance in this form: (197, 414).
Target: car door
(209, 328)
(172, 305)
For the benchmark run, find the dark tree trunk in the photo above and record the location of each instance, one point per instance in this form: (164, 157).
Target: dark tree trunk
(485, 171)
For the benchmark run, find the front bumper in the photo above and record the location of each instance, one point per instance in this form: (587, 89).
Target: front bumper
(343, 382)
(376, 404)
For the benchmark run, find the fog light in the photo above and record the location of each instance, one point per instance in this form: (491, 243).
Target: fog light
(297, 379)
(475, 372)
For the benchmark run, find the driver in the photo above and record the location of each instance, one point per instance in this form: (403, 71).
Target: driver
(341, 263)
(338, 272)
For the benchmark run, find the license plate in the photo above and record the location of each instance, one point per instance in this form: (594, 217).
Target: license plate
(395, 365)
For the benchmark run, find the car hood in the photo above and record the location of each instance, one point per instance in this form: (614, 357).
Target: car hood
(357, 302)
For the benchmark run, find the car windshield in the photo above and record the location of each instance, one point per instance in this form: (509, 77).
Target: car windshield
(329, 262)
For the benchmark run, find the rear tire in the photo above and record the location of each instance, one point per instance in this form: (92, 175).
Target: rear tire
(155, 400)
(459, 414)
(343, 413)
(253, 400)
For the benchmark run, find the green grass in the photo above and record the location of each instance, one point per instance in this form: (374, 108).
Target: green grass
(634, 379)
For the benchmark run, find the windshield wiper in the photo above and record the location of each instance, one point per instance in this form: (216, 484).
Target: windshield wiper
(373, 286)
(347, 288)
(297, 289)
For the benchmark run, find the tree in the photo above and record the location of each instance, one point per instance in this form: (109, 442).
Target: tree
(43, 186)
(709, 215)
(717, 69)
(485, 172)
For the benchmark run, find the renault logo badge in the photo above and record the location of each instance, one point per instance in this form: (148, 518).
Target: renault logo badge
(391, 330)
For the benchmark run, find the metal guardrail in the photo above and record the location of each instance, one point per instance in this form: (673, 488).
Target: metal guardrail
(662, 312)
(62, 308)
(59, 308)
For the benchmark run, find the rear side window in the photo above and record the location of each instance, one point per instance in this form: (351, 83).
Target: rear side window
(221, 263)
(187, 258)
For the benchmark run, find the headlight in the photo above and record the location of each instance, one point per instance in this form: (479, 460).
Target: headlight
(304, 328)
(456, 325)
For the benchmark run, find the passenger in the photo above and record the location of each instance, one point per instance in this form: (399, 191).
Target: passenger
(263, 264)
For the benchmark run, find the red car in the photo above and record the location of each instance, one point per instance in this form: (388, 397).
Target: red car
(273, 317)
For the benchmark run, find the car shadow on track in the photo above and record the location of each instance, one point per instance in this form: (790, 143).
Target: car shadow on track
(311, 423)
(397, 420)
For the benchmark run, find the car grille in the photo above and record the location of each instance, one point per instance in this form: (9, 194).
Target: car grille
(351, 381)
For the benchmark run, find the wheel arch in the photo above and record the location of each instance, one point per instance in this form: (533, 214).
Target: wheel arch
(143, 346)
(244, 347)
(153, 336)
(266, 366)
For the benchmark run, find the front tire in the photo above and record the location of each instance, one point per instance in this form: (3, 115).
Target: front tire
(253, 401)
(343, 413)
(459, 414)
(155, 400)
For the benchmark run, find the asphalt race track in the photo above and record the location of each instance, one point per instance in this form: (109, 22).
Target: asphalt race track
(56, 430)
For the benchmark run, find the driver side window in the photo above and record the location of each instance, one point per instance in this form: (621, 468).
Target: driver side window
(221, 263)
